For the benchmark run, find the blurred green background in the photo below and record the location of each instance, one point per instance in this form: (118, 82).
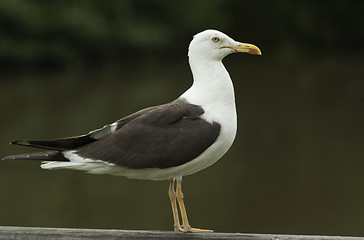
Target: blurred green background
(296, 167)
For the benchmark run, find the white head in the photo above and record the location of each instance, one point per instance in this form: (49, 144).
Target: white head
(215, 45)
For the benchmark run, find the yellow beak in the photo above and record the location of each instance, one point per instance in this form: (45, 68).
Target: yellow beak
(247, 48)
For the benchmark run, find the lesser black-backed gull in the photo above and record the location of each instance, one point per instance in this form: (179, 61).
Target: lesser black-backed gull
(161, 142)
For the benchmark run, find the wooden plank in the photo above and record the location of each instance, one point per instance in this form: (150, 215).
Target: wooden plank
(11, 233)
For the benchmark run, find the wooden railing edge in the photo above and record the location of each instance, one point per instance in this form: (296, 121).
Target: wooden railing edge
(12, 233)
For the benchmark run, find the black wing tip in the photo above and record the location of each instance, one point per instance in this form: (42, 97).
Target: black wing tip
(10, 157)
(40, 156)
(16, 157)
(22, 142)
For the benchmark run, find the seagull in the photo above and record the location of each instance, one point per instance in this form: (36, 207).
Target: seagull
(165, 142)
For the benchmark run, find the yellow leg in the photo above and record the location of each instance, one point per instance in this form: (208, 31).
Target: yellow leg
(173, 197)
(185, 224)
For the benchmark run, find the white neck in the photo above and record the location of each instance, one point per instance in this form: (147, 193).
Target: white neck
(211, 84)
(212, 89)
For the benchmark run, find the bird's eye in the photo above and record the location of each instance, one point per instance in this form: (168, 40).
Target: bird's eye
(215, 39)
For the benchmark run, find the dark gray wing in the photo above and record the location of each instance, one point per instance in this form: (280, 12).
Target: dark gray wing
(168, 135)
(62, 144)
